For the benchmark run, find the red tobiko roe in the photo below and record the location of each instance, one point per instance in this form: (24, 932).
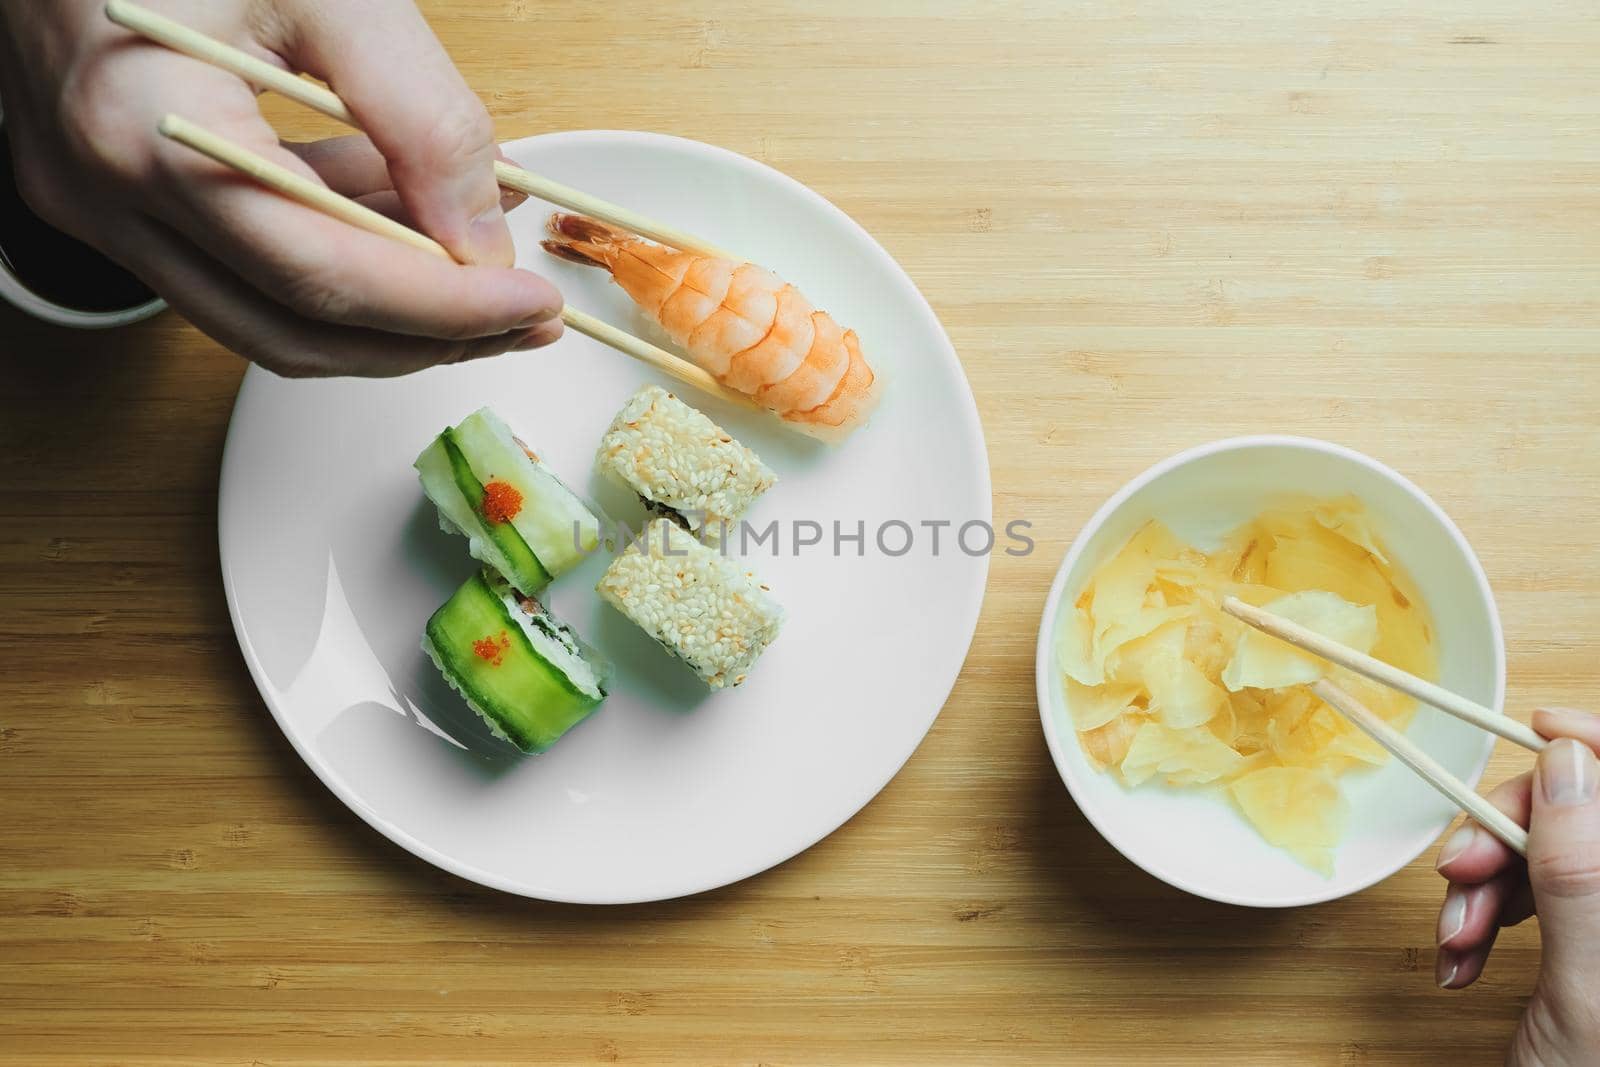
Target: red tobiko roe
(501, 502)
(491, 648)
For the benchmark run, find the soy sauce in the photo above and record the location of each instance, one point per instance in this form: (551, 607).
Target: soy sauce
(58, 268)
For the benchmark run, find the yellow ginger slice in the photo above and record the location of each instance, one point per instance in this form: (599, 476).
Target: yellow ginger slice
(1297, 809)
(1263, 662)
(1092, 706)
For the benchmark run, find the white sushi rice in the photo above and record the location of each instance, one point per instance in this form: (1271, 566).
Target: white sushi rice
(674, 456)
(701, 606)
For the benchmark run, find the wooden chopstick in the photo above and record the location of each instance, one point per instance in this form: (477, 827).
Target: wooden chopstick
(293, 185)
(305, 191)
(511, 176)
(1408, 752)
(659, 358)
(193, 43)
(1385, 674)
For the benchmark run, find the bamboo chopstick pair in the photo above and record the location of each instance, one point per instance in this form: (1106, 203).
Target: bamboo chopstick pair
(1398, 744)
(190, 42)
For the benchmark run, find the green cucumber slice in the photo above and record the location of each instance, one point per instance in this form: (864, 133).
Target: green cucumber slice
(554, 523)
(448, 481)
(522, 695)
(524, 561)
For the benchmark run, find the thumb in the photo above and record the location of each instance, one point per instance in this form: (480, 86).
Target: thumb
(437, 138)
(1564, 860)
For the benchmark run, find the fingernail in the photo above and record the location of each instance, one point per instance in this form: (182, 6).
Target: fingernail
(1453, 916)
(511, 341)
(540, 317)
(1567, 773)
(524, 339)
(540, 336)
(535, 338)
(1458, 843)
(1445, 968)
(487, 237)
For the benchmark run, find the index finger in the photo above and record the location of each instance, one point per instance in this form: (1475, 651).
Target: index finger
(383, 60)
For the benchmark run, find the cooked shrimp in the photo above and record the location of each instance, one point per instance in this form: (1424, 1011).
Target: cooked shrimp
(751, 330)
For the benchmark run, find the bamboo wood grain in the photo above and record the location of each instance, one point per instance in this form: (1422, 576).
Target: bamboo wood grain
(1466, 710)
(1427, 768)
(259, 72)
(321, 198)
(1367, 222)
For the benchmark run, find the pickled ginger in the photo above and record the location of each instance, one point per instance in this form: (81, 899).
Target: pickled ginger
(1162, 685)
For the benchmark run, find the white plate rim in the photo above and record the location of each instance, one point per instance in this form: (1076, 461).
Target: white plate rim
(975, 594)
(1044, 675)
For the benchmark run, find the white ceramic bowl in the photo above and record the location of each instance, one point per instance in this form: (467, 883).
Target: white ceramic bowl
(1196, 840)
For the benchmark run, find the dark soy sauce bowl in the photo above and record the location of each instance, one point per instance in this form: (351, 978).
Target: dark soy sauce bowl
(57, 278)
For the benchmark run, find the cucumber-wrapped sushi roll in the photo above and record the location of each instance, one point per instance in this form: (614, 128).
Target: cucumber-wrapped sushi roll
(681, 462)
(517, 515)
(699, 605)
(529, 677)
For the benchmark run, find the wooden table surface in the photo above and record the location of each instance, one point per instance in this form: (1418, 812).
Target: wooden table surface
(1144, 227)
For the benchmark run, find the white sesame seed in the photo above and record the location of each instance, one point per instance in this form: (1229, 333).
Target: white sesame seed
(695, 602)
(671, 454)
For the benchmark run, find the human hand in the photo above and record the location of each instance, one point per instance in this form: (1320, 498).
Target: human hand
(298, 292)
(1491, 887)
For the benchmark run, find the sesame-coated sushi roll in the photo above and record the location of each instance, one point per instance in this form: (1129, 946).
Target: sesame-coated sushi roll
(517, 515)
(680, 462)
(528, 676)
(698, 604)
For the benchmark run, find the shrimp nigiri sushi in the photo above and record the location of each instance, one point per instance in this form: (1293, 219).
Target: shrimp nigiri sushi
(748, 328)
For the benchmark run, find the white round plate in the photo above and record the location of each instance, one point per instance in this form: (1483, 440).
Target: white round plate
(333, 561)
